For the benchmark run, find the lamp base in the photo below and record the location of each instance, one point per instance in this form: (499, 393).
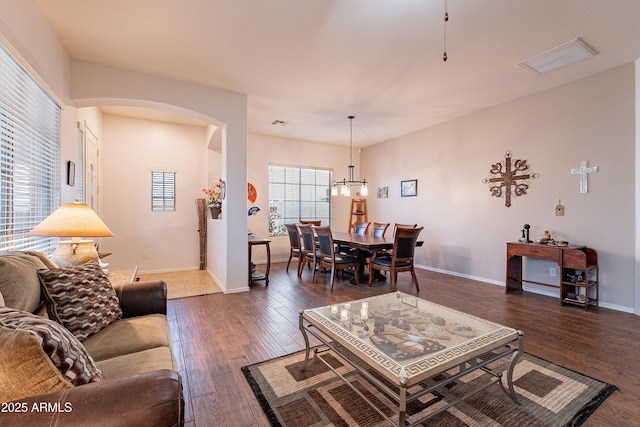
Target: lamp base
(70, 253)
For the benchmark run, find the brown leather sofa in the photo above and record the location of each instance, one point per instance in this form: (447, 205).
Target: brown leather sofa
(141, 387)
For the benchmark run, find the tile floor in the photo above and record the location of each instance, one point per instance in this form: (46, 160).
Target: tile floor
(181, 284)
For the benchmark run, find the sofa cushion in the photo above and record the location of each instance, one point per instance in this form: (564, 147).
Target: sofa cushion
(40, 356)
(80, 298)
(129, 335)
(25, 370)
(149, 360)
(19, 282)
(42, 257)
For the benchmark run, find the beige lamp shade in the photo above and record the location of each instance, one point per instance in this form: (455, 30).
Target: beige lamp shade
(72, 220)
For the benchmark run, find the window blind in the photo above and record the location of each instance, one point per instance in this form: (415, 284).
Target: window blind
(29, 157)
(163, 191)
(298, 194)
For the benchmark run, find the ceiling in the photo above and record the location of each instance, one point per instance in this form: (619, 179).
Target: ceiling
(312, 63)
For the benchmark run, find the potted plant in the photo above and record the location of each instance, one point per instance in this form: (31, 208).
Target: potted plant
(214, 199)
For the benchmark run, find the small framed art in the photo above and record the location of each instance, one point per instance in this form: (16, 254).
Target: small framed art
(383, 192)
(71, 173)
(409, 188)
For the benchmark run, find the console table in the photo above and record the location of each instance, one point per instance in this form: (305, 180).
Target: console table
(255, 276)
(577, 264)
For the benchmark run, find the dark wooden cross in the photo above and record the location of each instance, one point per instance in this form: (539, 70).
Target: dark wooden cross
(505, 176)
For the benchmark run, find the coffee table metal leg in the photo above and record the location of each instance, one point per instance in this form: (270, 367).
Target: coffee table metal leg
(402, 403)
(511, 392)
(306, 340)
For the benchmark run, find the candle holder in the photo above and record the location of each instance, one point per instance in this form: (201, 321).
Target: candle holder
(334, 312)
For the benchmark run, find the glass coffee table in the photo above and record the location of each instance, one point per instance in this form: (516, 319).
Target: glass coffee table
(407, 340)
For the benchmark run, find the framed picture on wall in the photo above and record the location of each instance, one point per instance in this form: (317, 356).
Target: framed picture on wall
(409, 188)
(71, 173)
(383, 192)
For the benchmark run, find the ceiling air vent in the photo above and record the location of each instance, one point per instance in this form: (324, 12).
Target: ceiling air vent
(559, 56)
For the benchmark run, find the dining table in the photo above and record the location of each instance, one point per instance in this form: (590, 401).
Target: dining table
(365, 244)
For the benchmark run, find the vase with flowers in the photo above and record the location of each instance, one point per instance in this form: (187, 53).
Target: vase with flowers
(214, 199)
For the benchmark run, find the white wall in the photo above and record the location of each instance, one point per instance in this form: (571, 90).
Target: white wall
(264, 150)
(131, 148)
(466, 229)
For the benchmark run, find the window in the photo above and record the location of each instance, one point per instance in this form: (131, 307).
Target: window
(29, 157)
(298, 194)
(163, 191)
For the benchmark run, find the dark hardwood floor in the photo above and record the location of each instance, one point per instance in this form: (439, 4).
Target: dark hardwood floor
(215, 335)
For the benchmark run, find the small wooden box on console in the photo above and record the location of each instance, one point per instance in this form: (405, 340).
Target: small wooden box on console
(574, 262)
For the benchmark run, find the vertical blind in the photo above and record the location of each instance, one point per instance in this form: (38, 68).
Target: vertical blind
(298, 194)
(29, 157)
(163, 191)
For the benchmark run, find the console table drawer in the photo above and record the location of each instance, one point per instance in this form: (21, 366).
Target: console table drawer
(535, 251)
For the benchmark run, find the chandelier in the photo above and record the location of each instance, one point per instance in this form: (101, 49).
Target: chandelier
(346, 184)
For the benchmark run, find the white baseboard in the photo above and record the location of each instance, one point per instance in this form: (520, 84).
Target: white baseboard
(540, 291)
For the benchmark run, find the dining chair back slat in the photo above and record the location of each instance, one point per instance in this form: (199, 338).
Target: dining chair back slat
(396, 226)
(378, 229)
(360, 227)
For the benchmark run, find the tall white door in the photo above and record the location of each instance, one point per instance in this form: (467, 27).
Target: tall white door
(91, 170)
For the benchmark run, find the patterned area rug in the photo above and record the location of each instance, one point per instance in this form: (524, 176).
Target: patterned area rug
(550, 395)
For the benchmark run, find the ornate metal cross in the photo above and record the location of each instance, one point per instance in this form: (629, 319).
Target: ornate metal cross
(504, 177)
(583, 170)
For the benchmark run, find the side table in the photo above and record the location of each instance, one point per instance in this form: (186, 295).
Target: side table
(255, 275)
(119, 275)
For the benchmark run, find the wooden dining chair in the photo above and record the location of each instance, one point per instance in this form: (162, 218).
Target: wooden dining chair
(294, 241)
(360, 227)
(401, 259)
(307, 244)
(329, 258)
(378, 229)
(311, 223)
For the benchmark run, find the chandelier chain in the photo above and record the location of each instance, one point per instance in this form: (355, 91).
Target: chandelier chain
(446, 19)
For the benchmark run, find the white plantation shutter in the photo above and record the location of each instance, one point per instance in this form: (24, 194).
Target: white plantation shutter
(29, 157)
(163, 191)
(298, 194)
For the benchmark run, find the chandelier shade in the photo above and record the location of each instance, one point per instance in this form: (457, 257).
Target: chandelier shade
(346, 184)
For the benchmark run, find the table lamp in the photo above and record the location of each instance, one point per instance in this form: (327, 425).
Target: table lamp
(73, 220)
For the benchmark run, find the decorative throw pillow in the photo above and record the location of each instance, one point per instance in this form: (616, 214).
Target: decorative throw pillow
(40, 356)
(80, 298)
(19, 281)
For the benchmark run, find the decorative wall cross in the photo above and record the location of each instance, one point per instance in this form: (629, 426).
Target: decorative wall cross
(583, 170)
(505, 179)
